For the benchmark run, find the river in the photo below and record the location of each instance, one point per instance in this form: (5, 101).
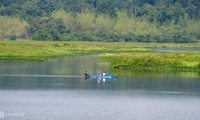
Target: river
(56, 90)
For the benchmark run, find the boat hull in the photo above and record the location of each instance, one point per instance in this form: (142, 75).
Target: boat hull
(99, 77)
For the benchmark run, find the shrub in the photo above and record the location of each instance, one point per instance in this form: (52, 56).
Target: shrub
(13, 37)
(46, 34)
(42, 35)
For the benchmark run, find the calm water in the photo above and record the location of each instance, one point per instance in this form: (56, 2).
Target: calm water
(55, 90)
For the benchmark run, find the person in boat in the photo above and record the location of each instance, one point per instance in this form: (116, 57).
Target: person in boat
(104, 73)
(86, 75)
(99, 73)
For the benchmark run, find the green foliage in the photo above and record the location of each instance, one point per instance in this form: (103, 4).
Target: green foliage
(191, 11)
(87, 26)
(42, 35)
(105, 20)
(47, 29)
(106, 7)
(56, 45)
(155, 61)
(13, 37)
(149, 12)
(10, 26)
(46, 23)
(30, 9)
(46, 34)
(162, 14)
(46, 5)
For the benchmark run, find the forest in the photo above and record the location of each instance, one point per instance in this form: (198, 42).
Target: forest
(162, 21)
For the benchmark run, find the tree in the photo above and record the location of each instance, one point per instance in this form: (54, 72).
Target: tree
(43, 34)
(12, 10)
(192, 11)
(106, 7)
(47, 29)
(178, 12)
(164, 15)
(148, 11)
(31, 10)
(46, 34)
(46, 5)
(47, 23)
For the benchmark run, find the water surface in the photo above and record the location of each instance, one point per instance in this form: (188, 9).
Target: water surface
(56, 90)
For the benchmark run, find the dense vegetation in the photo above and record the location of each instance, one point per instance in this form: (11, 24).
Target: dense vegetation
(101, 20)
(187, 61)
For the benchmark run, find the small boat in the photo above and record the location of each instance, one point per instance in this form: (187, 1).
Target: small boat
(107, 77)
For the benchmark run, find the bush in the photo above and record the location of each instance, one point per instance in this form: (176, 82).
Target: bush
(13, 37)
(46, 34)
(56, 45)
(181, 38)
(41, 35)
(51, 24)
(156, 61)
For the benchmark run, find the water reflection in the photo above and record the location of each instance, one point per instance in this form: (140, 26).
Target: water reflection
(157, 73)
(57, 74)
(49, 90)
(101, 79)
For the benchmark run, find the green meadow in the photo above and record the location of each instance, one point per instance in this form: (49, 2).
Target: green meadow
(28, 50)
(183, 61)
(121, 55)
(151, 60)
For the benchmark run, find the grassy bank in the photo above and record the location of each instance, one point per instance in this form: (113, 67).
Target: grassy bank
(186, 61)
(28, 50)
(122, 55)
(34, 50)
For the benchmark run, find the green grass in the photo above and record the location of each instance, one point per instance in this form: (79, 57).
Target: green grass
(28, 50)
(122, 55)
(181, 61)
(35, 50)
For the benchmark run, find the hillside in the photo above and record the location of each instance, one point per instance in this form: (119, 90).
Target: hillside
(101, 20)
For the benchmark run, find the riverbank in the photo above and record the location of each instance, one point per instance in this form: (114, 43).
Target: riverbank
(122, 55)
(35, 50)
(28, 50)
(178, 61)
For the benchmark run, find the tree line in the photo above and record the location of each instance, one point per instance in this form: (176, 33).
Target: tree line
(101, 20)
